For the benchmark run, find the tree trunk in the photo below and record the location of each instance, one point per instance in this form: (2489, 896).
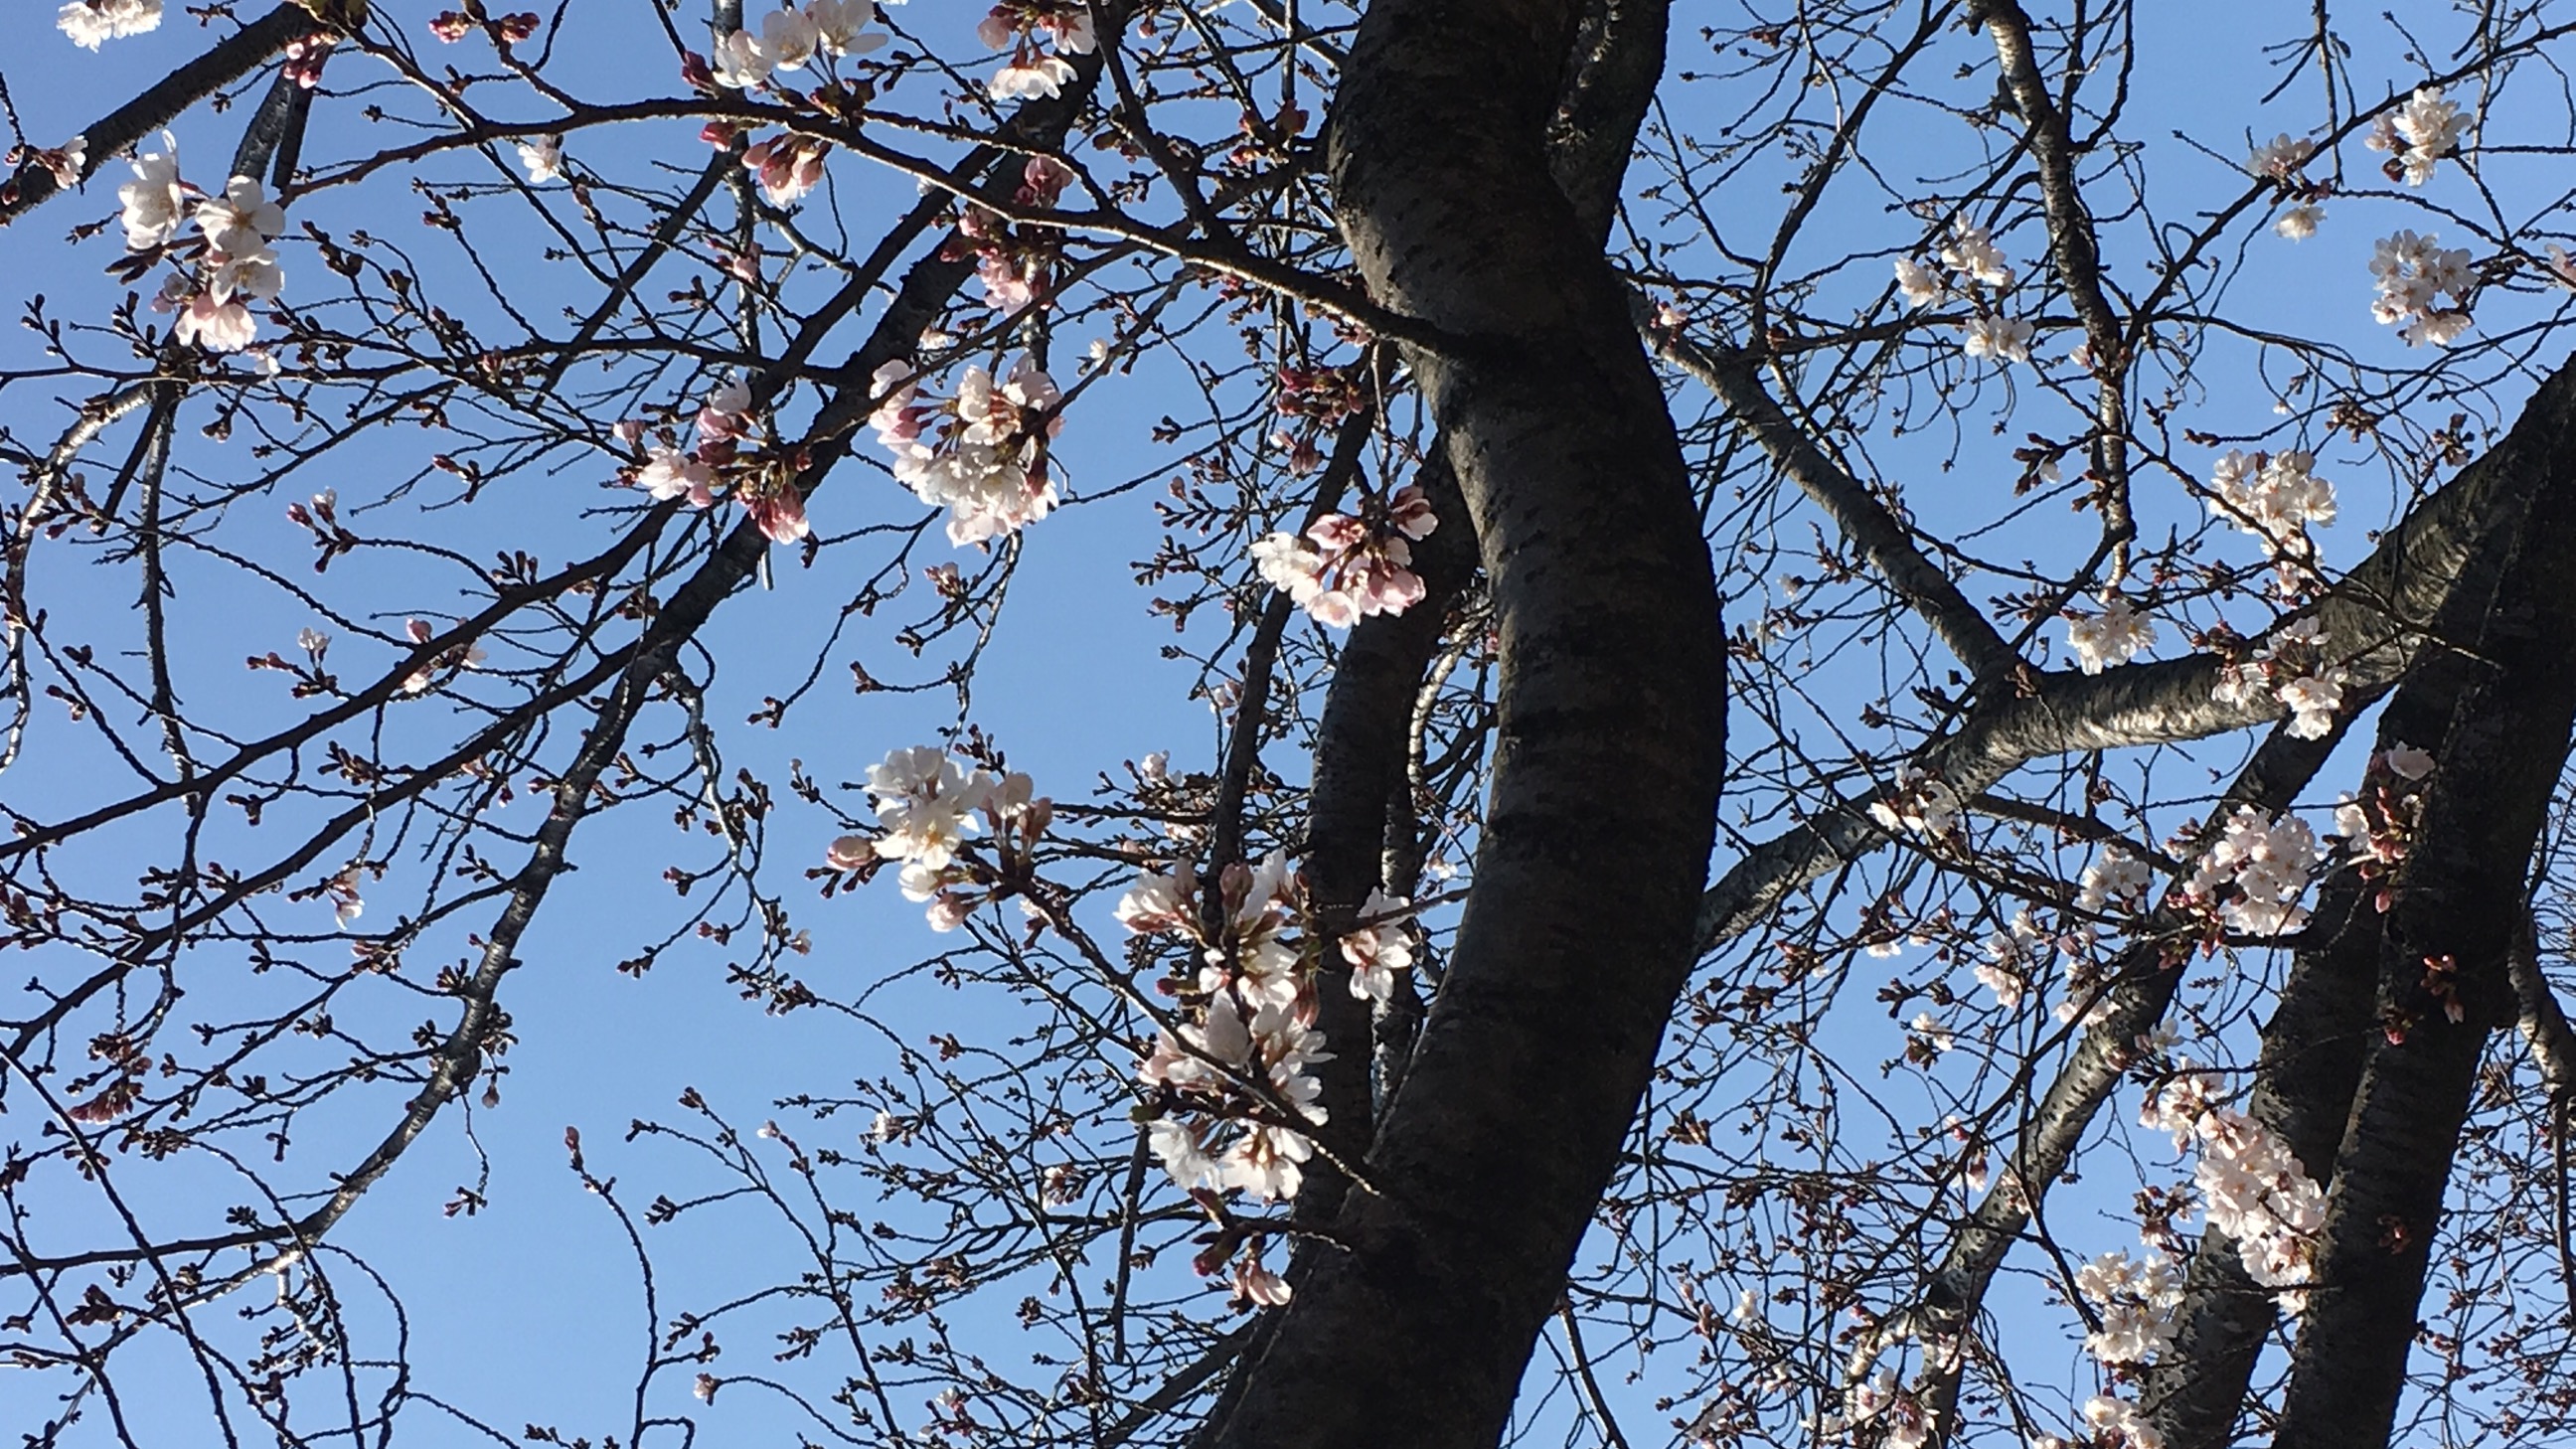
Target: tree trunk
(1576, 938)
(2496, 711)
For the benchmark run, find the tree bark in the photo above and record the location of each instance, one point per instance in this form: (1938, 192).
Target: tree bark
(1360, 743)
(2319, 1039)
(1576, 938)
(2309, 1068)
(2500, 705)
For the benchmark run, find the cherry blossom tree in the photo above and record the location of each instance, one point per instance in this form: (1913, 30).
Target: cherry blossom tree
(1886, 711)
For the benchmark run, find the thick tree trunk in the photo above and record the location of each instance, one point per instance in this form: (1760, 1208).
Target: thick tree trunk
(2496, 713)
(1361, 742)
(2327, 1026)
(1576, 939)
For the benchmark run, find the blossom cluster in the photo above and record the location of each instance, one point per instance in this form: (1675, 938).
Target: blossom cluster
(2272, 496)
(2251, 1185)
(2113, 877)
(791, 38)
(982, 454)
(2134, 1302)
(1879, 1404)
(1018, 26)
(2256, 872)
(91, 23)
(1970, 256)
(928, 805)
(238, 227)
(787, 167)
(2291, 667)
(2108, 1417)
(2009, 954)
(2282, 160)
(2418, 134)
(2413, 273)
(2376, 827)
(1378, 947)
(1344, 568)
(1014, 263)
(1254, 1026)
(2113, 636)
(236, 265)
(763, 482)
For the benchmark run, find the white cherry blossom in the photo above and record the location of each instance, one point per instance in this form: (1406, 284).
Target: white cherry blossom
(242, 220)
(1919, 285)
(2419, 134)
(2005, 339)
(2413, 273)
(2257, 871)
(2275, 497)
(841, 25)
(543, 156)
(1378, 948)
(1971, 252)
(2111, 637)
(982, 455)
(2281, 158)
(1920, 802)
(155, 201)
(2114, 876)
(926, 801)
(91, 23)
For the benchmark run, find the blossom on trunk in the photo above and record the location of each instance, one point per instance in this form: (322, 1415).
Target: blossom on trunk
(1919, 285)
(1378, 948)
